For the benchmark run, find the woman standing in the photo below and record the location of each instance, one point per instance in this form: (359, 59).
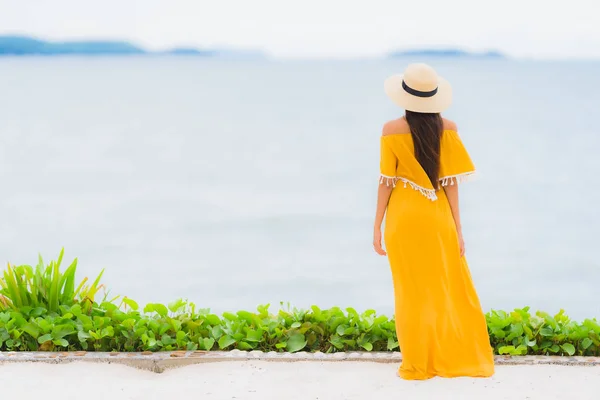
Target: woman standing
(439, 321)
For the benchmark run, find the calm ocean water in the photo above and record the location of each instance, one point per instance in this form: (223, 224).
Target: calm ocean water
(241, 183)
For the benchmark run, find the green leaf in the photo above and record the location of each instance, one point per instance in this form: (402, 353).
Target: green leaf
(53, 299)
(167, 340)
(244, 346)
(85, 321)
(37, 312)
(296, 325)
(163, 328)
(254, 336)
(107, 332)
(247, 316)
(4, 317)
(191, 346)
(226, 341)
(131, 304)
(83, 336)
(60, 331)
(216, 331)
(545, 344)
(153, 326)
(61, 342)
(14, 293)
(208, 343)
(76, 309)
(392, 344)
(177, 305)
(230, 316)
(337, 342)
(547, 331)
(586, 343)
(149, 309)
(367, 346)
(568, 348)
(44, 338)
(129, 323)
(160, 309)
(506, 350)
(521, 349)
(498, 333)
(213, 319)
(32, 330)
(67, 284)
(296, 343)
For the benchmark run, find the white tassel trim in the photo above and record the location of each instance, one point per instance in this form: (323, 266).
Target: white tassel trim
(388, 180)
(458, 179)
(429, 193)
(392, 180)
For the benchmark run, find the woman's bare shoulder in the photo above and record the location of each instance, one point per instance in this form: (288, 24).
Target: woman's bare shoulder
(450, 125)
(395, 127)
(400, 126)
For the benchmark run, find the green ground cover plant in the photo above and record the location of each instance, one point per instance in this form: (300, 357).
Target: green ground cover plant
(44, 309)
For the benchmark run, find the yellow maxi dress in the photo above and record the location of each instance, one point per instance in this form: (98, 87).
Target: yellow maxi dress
(440, 325)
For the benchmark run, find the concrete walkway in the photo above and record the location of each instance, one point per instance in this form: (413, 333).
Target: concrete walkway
(162, 361)
(305, 380)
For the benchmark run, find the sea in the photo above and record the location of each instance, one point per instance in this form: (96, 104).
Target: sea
(236, 183)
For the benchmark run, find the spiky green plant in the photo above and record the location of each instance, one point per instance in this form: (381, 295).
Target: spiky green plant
(45, 286)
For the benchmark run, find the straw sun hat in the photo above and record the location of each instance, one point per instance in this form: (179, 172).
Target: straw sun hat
(419, 89)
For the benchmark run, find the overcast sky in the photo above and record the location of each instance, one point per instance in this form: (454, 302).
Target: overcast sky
(321, 28)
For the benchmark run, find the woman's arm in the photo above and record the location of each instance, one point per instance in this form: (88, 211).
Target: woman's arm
(452, 195)
(383, 197)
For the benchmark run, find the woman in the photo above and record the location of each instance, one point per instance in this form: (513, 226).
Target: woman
(439, 321)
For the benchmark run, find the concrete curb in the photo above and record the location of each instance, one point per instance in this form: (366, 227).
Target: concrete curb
(162, 361)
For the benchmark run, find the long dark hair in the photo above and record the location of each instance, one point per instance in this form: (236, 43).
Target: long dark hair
(426, 130)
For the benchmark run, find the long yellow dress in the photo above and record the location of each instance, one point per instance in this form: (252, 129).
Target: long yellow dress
(440, 325)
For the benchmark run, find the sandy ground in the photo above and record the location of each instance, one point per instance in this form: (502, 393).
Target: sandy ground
(287, 381)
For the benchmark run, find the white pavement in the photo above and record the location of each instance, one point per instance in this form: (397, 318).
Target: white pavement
(249, 380)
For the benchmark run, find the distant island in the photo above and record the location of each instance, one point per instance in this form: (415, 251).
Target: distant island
(16, 45)
(449, 53)
(27, 46)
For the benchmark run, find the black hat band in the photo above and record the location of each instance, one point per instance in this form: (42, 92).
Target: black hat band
(418, 93)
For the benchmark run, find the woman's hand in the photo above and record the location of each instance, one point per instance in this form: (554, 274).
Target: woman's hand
(461, 243)
(377, 242)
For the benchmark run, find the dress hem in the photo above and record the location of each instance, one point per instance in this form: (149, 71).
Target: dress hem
(484, 371)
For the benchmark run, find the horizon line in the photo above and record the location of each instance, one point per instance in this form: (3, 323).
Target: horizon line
(465, 52)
